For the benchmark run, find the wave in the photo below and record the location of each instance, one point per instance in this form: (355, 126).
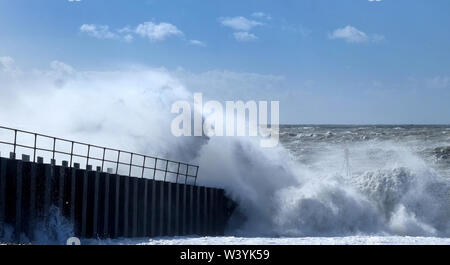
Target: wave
(279, 198)
(276, 195)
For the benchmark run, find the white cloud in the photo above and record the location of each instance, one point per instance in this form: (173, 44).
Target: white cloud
(353, 35)
(240, 23)
(243, 26)
(261, 15)
(157, 32)
(440, 82)
(378, 38)
(98, 31)
(349, 34)
(124, 30)
(197, 43)
(6, 62)
(244, 36)
(61, 73)
(7, 65)
(61, 67)
(150, 30)
(128, 38)
(74, 0)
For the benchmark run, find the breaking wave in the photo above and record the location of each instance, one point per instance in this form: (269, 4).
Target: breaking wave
(277, 197)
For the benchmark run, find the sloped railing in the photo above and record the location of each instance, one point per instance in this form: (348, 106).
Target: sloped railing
(123, 162)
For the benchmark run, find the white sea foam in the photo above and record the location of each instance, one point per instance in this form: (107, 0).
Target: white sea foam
(231, 240)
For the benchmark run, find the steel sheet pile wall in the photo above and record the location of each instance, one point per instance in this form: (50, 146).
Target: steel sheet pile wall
(100, 204)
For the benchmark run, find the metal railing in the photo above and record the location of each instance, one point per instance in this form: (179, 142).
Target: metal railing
(169, 169)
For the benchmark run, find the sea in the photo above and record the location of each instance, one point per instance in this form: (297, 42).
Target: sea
(352, 184)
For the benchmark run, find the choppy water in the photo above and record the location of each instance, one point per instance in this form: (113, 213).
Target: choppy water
(392, 180)
(345, 180)
(310, 144)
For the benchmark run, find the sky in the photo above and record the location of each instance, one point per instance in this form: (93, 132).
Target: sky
(326, 61)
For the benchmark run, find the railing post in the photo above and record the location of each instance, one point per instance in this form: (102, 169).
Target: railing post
(131, 164)
(178, 171)
(15, 140)
(143, 167)
(34, 148)
(71, 154)
(165, 172)
(88, 152)
(54, 146)
(186, 175)
(103, 159)
(154, 170)
(118, 161)
(196, 173)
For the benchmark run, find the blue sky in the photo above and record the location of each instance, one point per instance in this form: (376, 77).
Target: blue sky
(340, 61)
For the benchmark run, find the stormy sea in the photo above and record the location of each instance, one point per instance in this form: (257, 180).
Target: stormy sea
(353, 185)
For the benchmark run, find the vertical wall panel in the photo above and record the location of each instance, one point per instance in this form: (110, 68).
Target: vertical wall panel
(134, 196)
(84, 197)
(67, 198)
(73, 173)
(10, 192)
(169, 208)
(198, 209)
(205, 210)
(3, 164)
(153, 212)
(161, 209)
(113, 206)
(24, 205)
(18, 226)
(121, 210)
(61, 181)
(184, 211)
(78, 205)
(165, 209)
(145, 208)
(191, 211)
(222, 212)
(126, 205)
(178, 212)
(32, 215)
(210, 211)
(99, 207)
(105, 203)
(49, 174)
(216, 212)
(141, 204)
(96, 202)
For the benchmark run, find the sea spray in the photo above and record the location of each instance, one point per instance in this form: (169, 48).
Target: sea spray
(54, 229)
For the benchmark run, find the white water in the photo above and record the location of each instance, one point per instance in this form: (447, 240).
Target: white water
(391, 193)
(231, 240)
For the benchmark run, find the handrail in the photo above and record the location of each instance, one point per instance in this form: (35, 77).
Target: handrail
(166, 170)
